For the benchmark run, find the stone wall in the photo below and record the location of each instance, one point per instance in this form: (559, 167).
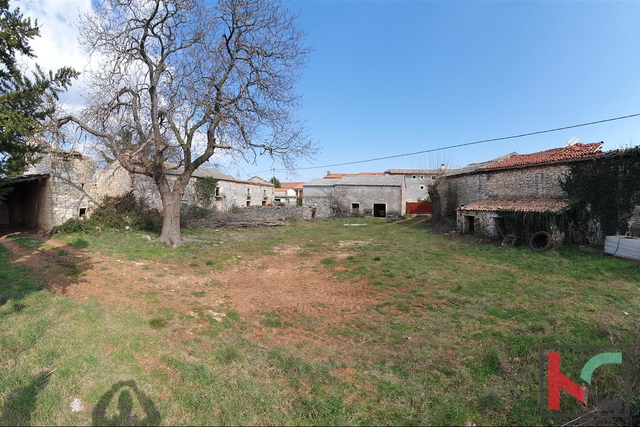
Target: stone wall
(66, 192)
(73, 187)
(541, 182)
(483, 223)
(116, 181)
(286, 212)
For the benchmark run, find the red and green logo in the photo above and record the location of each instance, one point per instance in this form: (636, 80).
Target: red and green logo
(603, 387)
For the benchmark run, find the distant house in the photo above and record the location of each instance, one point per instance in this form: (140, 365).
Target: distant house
(288, 193)
(370, 196)
(515, 182)
(229, 192)
(60, 187)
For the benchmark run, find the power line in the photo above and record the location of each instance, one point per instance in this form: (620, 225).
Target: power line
(465, 144)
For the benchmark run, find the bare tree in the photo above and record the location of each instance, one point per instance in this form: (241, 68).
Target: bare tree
(179, 80)
(439, 164)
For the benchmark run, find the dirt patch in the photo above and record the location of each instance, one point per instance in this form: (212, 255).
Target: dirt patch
(291, 299)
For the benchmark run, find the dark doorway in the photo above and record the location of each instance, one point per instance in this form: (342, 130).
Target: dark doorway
(379, 210)
(26, 204)
(469, 224)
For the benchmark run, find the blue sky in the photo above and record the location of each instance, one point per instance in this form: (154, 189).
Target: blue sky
(390, 77)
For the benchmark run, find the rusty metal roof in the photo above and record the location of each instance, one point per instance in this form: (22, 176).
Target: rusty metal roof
(517, 205)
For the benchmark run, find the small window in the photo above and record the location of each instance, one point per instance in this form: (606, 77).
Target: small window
(355, 205)
(421, 176)
(264, 203)
(248, 191)
(248, 202)
(433, 177)
(422, 187)
(82, 213)
(217, 191)
(264, 193)
(414, 177)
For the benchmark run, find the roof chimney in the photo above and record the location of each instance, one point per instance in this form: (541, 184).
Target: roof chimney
(442, 167)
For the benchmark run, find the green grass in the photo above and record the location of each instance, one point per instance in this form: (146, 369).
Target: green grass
(453, 336)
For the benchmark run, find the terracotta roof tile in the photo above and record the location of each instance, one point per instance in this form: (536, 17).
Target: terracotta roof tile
(517, 205)
(294, 185)
(555, 155)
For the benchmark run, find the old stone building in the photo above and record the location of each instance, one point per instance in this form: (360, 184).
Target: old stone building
(229, 193)
(59, 187)
(417, 181)
(369, 196)
(515, 182)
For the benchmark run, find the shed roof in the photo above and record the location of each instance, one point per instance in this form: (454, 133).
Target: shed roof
(517, 205)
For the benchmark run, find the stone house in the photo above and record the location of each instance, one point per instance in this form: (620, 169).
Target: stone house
(59, 187)
(515, 182)
(229, 192)
(368, 196)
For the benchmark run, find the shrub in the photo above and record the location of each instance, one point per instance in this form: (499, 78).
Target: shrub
(115, 213)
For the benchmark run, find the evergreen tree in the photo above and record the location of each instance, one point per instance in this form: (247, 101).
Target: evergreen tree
(25, 101)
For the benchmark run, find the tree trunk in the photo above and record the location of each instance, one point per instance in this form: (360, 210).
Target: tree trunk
(170, 217)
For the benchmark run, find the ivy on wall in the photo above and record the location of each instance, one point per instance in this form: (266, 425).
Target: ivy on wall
(605, 189)
(206, 189)
(526, 224)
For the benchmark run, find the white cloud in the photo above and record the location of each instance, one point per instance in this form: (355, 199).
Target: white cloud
(58, 44)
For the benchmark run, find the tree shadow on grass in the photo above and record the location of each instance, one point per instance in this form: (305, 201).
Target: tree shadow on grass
(125, 414)
(30, 263)
(21, 402)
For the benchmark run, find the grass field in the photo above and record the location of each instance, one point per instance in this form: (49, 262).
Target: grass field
(329, 322)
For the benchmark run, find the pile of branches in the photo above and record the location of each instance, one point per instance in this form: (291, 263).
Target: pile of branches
(235, 220)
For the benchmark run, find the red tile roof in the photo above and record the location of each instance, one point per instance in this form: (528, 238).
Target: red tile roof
(517, 205)
(555, 155)
(294, 185)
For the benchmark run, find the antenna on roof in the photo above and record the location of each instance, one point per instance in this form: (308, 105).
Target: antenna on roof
(573, 141)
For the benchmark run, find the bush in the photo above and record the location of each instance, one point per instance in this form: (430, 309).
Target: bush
(116, 213)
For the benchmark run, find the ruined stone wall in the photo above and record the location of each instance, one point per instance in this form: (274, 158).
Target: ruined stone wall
(234, 194)
(484, 223)
(73, 186)
(287, 212)
(116, 181)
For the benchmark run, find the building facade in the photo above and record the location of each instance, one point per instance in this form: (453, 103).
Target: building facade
(366, 196)
(229, 193)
